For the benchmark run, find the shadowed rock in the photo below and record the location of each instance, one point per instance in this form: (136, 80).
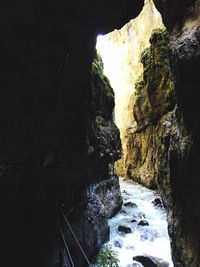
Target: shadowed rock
(150, 261)
(130, 204)
(157, 202)
(143, 223)
(124, 229)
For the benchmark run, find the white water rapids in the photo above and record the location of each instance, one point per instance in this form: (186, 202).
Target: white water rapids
(152, 240)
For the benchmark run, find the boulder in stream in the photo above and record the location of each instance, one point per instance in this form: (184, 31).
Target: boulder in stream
(135, 264)
(139, 215)
(157, 202)
(134, 220)
(130, 205)
(125, 229)
(150, 261)
(118, 243)
(146, 235)
(123, 212)
(143, 223)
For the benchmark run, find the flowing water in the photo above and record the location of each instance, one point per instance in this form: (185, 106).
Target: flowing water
(152, 239)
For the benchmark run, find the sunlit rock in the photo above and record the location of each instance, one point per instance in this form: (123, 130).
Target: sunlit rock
(121, 51)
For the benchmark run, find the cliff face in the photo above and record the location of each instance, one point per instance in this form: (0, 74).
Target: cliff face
(99, 188)
(183, 22)
(153, 99)
(163, 143)
(121, 50)
(47, 158)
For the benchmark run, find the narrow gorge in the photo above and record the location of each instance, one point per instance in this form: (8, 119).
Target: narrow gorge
(93, 92)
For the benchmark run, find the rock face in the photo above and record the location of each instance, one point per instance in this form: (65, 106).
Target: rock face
(154, 99)
(121, 51)
(89, 219)
(109, 193)
(184, 147)
(49, 138)
(163, 143)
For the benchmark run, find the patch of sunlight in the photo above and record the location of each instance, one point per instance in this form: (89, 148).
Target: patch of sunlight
(121, 51)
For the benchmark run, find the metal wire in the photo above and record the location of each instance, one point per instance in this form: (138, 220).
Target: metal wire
(89, 264)
(67, 249)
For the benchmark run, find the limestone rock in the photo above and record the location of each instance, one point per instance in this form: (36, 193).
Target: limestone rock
(125, 229)
(183, 143)
(109, 192)
(157, 202)
(150, 261)
(143, 223)
(139, 215)
(121, 51)
(134, 220)
(118, 243)
(130, 204)
(154, 98)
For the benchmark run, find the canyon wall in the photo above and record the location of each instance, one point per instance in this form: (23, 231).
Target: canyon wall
(53, 131)
(184, 25)
(163, 142)
(48, 136)
(99, 193)
(121, 50)
(154, 98)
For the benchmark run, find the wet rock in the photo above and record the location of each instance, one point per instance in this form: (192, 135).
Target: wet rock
(125, 192)
(150, 261)
(125, 229)
(123, 212)
(130, 204)
(145, 260)
(133, 221)
(109, 194)
(118, 243)
(143, 223)
(139, 215)
(147, 235)
(135, 264)
(160, 262)
(157, 202)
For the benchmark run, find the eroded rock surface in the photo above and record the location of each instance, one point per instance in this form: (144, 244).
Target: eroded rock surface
(165, 137)
(47, 50)
(154, 98)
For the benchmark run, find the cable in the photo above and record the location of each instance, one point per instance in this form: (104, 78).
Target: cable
(76, 238)
(66, 258)
(67, 247)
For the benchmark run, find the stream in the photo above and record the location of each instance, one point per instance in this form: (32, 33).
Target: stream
(150, 239)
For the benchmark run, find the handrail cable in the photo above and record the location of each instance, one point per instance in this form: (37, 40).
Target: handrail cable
(76, 239)
(66, 246)
(63, 255)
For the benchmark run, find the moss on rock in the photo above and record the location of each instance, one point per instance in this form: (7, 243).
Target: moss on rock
(155, 88)
(98, 70)
(154, 92)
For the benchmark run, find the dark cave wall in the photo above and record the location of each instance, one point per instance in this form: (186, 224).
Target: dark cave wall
(46, 56)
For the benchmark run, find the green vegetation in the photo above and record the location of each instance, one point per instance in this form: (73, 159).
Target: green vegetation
(107, 258)
(97, 64)
(97, 70)
(155, 87)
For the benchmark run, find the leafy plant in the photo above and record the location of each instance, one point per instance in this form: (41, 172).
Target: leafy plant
(107, 258)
